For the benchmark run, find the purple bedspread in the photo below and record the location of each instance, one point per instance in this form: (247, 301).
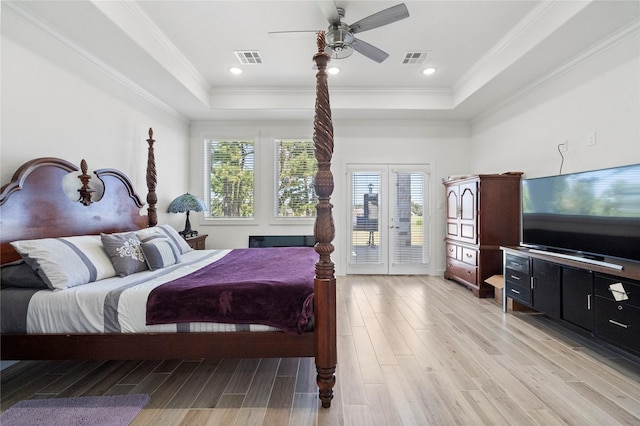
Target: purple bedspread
(271, 286)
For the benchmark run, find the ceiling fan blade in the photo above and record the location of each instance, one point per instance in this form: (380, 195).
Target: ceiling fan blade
(330, 11)
(384, 17)
(369, 50)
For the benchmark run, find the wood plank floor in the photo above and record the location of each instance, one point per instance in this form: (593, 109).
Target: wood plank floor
(411, 351)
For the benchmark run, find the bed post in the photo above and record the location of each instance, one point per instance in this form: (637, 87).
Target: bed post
(324, 232)
(152, 198)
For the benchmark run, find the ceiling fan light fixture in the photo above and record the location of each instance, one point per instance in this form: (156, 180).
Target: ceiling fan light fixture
(339, 41)
(339, 51)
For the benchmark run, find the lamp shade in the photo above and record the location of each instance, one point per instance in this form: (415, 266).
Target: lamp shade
(186, 202)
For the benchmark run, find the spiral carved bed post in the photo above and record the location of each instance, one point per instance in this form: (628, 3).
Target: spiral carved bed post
(152, 197)
(324, 232)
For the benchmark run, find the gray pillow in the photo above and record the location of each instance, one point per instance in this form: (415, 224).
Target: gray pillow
(20, 274)
(160, 253)
(125, 252)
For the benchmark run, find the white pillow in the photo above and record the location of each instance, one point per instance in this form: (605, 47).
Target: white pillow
(67, 262)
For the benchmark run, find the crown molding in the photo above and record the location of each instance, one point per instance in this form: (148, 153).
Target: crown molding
(629, 31)
(26, 16)
(140, 28)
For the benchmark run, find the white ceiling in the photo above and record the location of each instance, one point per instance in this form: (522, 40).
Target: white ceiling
(177, 54)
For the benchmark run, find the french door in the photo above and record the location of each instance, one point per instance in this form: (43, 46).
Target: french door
(389, 219)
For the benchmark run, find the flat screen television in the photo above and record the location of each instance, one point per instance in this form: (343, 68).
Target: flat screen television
(594, 214)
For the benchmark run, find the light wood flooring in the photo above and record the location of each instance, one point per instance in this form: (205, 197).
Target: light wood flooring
(411, 351)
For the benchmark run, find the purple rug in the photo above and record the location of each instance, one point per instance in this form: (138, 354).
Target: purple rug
(114, 410)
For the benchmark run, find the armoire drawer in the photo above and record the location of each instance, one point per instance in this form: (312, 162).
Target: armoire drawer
(463, 271)
(470, 256)
(453, 251)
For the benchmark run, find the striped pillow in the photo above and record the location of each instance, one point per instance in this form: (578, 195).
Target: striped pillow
(166, 231)
(160, 253)
(67, 262)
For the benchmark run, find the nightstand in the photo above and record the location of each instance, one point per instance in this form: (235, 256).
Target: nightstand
(197, 242)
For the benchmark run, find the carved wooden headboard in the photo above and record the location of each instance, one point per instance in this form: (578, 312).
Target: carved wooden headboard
(34, 204)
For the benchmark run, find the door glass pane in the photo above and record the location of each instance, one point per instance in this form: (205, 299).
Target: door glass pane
(365, 224)
(408, 226)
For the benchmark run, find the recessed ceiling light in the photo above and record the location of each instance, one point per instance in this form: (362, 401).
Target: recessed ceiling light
(235, 70)
(333, 70)
(428, 71)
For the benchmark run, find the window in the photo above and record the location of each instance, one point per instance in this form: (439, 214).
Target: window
(295, 169)
(229, 169)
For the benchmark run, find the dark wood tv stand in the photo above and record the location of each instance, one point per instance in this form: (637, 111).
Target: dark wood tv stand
(594, 297)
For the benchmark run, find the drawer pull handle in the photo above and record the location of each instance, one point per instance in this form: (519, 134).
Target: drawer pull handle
(619, 324)
(515, 291)
(467, 254)
(514, 277)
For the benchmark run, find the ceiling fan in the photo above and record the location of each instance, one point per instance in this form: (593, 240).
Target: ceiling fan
(340, 38)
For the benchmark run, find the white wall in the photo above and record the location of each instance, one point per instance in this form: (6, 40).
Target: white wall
(601, 95)
(49, 111)
(441, 145)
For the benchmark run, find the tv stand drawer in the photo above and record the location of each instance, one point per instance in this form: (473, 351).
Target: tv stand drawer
(517, 263)
(618, 323)
(626, 291)
(521, 293)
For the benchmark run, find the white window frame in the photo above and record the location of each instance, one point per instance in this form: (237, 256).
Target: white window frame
(208, 219)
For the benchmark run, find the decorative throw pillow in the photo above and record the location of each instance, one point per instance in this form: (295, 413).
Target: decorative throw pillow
(20, 274)
(160, 252)
(125, 252)
(165, 231)
(176, 238)
(67, 262)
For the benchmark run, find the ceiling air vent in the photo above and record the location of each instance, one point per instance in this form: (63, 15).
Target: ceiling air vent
(247, 57)
(414, 57)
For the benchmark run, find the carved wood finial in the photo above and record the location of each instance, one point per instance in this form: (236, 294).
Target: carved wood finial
(152, 197)
(85, 191)
(320, 39)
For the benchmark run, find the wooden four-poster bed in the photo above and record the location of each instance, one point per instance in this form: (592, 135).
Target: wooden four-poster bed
(35, 208)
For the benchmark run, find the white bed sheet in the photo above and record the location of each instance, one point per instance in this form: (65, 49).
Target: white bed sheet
(118, 304)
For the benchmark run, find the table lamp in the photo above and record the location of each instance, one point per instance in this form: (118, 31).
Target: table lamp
(186, 203)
